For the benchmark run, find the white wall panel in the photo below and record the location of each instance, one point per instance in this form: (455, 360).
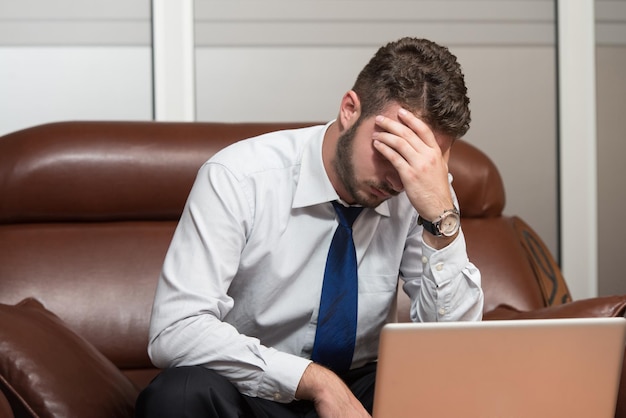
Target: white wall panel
(611, 100)
(610, 18)
(70, 22)
(270, 84)
(67, 59)
(49, 84)
(346, 23)
(374, 10)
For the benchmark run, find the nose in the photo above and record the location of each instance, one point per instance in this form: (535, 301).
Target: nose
(393, 179)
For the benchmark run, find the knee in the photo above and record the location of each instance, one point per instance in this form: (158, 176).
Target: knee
(162, 394)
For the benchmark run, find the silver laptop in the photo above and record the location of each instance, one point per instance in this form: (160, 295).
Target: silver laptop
(547, 368)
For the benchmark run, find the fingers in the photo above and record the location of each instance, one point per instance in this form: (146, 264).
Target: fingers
(405, 142)
(331, 396)
(418, 126)
(409, 127)
(392, 154)
(421, 162)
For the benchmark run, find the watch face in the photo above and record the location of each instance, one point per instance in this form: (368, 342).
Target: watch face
(449, 224)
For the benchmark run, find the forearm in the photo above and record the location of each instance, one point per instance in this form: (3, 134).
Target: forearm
(254, 369)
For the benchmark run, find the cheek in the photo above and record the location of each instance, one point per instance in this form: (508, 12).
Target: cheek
(369, 160)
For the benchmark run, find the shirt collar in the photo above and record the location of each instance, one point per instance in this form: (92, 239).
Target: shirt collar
(314, 186)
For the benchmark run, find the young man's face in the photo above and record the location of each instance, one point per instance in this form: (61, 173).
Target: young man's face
(367, 175)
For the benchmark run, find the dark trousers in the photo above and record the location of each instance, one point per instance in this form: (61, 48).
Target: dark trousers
(190, 392)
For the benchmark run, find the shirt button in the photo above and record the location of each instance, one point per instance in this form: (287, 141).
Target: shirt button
(439, 266)
(277, 396)
(442, 311)
(424, 259)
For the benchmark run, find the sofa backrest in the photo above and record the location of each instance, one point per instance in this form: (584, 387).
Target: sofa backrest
(121, 171)
(87, 211)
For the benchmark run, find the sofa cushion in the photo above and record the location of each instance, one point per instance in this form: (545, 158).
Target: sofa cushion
(50, 371)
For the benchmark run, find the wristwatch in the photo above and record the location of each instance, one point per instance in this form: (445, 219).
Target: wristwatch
(446, 225)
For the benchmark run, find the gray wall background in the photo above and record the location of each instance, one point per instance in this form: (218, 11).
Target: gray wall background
(286, 60)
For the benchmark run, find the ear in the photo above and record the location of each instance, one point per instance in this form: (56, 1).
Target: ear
(350, 110)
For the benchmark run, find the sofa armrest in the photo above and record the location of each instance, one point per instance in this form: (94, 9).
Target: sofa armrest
(46, 369)
(607, 306)
(547, 272)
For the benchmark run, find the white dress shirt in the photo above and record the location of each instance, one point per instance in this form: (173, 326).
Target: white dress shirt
(241, 283)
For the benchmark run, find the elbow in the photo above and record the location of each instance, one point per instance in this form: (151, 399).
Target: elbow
(159, 355)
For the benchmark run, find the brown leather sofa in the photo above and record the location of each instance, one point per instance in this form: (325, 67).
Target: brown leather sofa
(87, 210)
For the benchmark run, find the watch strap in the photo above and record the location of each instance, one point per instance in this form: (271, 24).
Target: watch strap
(429, 226)
(435, 227)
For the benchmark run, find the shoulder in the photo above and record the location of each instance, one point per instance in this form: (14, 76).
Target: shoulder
(271, 151)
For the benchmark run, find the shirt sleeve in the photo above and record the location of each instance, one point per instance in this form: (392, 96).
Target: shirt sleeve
(191, 303)
(449, 288)
(443, 284)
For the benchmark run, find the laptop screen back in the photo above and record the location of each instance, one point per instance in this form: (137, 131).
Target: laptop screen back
(500, 369)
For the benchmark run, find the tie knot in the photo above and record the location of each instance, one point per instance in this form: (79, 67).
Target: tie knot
(346, 214)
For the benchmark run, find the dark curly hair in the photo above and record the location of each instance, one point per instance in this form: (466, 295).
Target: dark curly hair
(421, 76)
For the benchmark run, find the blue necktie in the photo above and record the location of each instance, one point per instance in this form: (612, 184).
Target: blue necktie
(336, 325)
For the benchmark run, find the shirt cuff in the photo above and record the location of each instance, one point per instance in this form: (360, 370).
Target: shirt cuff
(282, 376)
(446, 263)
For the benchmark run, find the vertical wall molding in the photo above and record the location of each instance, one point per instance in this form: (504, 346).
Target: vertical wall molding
(174, 64)
(577, 146)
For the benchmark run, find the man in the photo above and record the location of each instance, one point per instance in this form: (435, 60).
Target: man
(235, 316)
